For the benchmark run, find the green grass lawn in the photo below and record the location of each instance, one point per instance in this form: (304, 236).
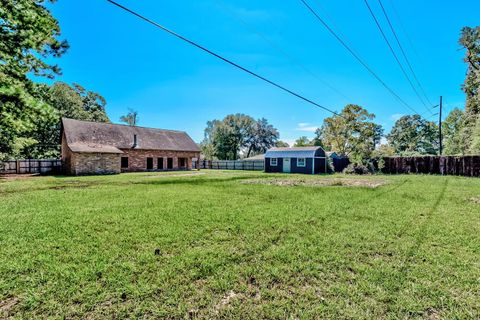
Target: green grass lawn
(216, 245)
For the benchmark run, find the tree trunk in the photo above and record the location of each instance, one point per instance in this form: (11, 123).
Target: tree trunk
(249, 150)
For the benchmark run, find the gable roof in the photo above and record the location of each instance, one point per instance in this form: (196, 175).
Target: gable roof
(86, 136)
(296, 152)
(257, 157)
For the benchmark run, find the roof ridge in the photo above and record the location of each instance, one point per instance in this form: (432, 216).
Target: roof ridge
(123, 125)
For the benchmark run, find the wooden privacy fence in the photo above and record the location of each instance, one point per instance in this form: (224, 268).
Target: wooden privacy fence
(31, 166)
(340, 163)
(444, 165)
(257, 165)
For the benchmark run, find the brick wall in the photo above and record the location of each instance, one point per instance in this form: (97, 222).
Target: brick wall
(66, 156)
(107, 163)
(137, 159)
(95, 163)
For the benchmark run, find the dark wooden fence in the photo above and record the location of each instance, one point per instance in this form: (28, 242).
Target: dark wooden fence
(340, 163)
(445, 165)
(31, 166)
(257, 165)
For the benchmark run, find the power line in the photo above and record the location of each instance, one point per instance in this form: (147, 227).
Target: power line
(222, 58)
(404, 54)
(404, 30)
(379, 27)
(288, 56)
(357, 57)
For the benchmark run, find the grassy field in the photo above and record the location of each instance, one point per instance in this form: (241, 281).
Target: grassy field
(220, 245)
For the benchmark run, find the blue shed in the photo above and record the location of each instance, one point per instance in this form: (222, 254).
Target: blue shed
(309, 160)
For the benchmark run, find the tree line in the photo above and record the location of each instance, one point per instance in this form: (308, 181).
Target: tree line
(30, 111)
(353, 132)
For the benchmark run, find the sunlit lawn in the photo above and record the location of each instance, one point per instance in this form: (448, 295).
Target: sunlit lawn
(210, 245)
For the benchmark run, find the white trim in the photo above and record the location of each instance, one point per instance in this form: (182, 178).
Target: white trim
(304, 162)
(271, 162)
(313, 165)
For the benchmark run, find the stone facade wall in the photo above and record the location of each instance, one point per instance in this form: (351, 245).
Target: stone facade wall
(95, 163)
(137, 159)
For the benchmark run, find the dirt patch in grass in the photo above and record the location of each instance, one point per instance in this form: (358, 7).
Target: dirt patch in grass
(226, 299)
(177, 175)
(7, 305)
(475, 200)
(350, 182)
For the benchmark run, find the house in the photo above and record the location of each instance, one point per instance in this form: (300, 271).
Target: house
(258, 157)
(100, 148)
(309, 160)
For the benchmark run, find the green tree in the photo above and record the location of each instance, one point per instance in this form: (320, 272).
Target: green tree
(453, 134)
(469, 133)
(383, 150)
(261, 137)
(231, 134)
(281, 144)
(225, 139)
(93, 103)
(352, 133)
(412, 135)
(475, 146)
(318, 140)
(207, 147)
(131, 118)
(470, 40)
(29, 36)
(302, 142)
(76, 102)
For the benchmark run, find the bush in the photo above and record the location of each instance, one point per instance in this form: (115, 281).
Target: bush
(356, 168)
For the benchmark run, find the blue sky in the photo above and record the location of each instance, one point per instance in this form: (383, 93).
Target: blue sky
(176, 86)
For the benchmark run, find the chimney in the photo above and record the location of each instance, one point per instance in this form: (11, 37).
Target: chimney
(135, 142)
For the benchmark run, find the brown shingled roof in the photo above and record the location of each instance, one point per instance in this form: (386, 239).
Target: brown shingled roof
(86, 136)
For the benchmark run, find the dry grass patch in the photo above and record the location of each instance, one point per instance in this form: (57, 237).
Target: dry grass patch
(475, 200)
(7, 305)
(326, 182)
(172, 175)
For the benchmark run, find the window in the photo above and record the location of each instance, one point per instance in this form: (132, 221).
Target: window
(300, 162)
(169, 163)
(160, 163)
(149, 163)
(124, 162)
(273, 161)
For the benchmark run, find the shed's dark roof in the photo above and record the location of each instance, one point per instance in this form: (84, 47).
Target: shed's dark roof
(296, 152)
(86, 136)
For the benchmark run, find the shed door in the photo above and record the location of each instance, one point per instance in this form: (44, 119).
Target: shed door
(286, 165)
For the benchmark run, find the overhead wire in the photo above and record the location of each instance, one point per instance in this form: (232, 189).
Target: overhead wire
(384, 36)
(276, 47)
(357, 57)
(223, 58)
(407, 60)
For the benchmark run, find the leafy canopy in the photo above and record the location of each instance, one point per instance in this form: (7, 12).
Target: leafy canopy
(225, 139)
(352, 133)
(131, 118)
(413, 135)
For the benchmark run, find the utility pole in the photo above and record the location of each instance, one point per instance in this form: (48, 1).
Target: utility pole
(440, 126)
